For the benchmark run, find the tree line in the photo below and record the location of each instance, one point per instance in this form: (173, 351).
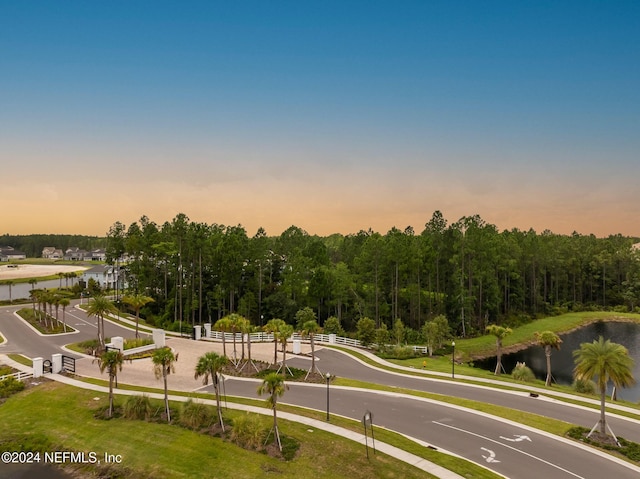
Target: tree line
(467, 271)
(32, 245)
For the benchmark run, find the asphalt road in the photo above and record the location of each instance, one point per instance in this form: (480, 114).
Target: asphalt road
(510, 449)
(515, 451)
(22, 339)
(346, 366)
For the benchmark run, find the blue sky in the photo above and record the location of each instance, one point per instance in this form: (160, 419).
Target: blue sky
(333, 116)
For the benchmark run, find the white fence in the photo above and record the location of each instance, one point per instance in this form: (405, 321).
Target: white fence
(268, 338)
(20, 376)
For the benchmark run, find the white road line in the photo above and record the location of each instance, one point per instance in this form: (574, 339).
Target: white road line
(509, 447)
(82, 319)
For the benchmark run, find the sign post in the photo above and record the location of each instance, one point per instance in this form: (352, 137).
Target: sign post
(367, 422)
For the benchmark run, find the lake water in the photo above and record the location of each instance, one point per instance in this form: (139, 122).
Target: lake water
(21, 290)
(627, 334)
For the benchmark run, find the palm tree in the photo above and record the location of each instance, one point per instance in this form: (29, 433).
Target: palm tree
(33, 294)
(309, 329)
(99, 307)
(273, 326)
(283, 335)
(55, 301)
(500, 332)
(64, 302)
(47, 300)
(163, 364)
(234, 323)
(137, 301)
(111, 360)
(10, 283)
(607, 361)
(223, 325)
(274, 385)
(548, 340)
(210, 366)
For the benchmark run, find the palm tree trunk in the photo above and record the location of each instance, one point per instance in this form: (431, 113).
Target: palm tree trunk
(275, 349)
(313, 355)
(275, 427)
(166, 393)
(547, 353)
(603, 424)
(216, 387)
(499, 356)
(110, 393)
(284, 358)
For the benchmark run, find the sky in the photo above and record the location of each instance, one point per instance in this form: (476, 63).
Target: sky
(333, 116)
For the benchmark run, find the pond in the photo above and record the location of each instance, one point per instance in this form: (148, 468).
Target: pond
(627, 334)
(22, 290)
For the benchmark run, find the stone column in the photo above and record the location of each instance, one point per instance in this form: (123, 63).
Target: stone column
(37, 367)
(118, 342)
(56, 363)
(159, 337)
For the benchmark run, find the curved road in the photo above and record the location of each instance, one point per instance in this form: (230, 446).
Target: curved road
(346, 366)
(507, 448)
(21, 338)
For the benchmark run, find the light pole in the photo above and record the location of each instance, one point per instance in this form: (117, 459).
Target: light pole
(453, 360)
(328, 377)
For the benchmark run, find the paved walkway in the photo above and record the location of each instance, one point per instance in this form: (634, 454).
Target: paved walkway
(140, 373)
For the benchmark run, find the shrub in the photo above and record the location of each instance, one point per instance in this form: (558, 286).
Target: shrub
(290, 447)
(249, 431)
(195, 415)
(366, 328)
(584, 386)
(9, 386)
(332, 326)
(137, 407)
(523, 373)
(399, 352)
(136, 343)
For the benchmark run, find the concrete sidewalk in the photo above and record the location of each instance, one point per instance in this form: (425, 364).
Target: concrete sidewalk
(140, 372)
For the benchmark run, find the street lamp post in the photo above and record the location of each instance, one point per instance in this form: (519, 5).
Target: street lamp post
(453, 360)
(328, 377)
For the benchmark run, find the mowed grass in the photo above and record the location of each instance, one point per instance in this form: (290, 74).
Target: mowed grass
(65, 417)
(525, 335)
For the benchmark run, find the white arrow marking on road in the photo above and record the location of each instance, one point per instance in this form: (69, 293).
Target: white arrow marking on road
(517, 438)
(491, 457)
(508, 447)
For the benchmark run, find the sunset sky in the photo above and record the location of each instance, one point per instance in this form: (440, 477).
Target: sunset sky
(333, 116)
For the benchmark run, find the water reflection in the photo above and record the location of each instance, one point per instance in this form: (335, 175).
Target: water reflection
(627, 334)
(22, 290)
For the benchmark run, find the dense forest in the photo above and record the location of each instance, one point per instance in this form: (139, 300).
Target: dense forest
(32, 245)
(468, 271)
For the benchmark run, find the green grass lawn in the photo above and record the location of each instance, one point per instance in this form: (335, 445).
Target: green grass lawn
(53, 416)
(484, 346)
(53, 327)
